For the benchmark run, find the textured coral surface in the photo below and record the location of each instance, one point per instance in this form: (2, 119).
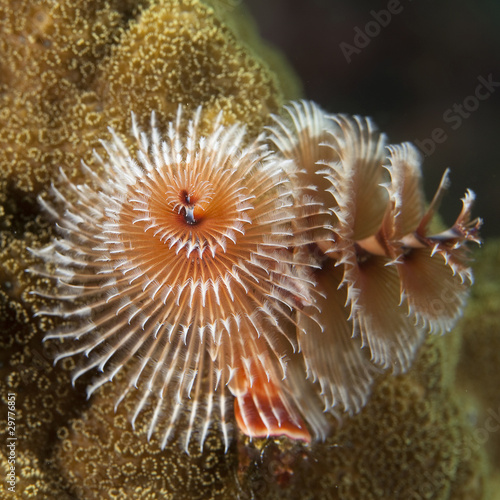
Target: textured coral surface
(70, 69)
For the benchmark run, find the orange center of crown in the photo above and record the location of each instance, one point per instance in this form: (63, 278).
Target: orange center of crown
(191, 209)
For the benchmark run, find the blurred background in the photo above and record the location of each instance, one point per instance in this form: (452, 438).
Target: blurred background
(415, 71)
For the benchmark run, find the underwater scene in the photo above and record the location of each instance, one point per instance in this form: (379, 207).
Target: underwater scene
(250, 249)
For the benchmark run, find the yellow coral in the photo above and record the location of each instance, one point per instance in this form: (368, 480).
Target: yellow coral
(50, 52)
(188, 58)
(100, 455)
(73, 68)
(478, 374)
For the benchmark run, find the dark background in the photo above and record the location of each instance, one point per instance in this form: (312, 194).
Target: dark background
(427, 59)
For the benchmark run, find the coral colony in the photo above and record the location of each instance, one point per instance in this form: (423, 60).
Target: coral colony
(276, 275)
